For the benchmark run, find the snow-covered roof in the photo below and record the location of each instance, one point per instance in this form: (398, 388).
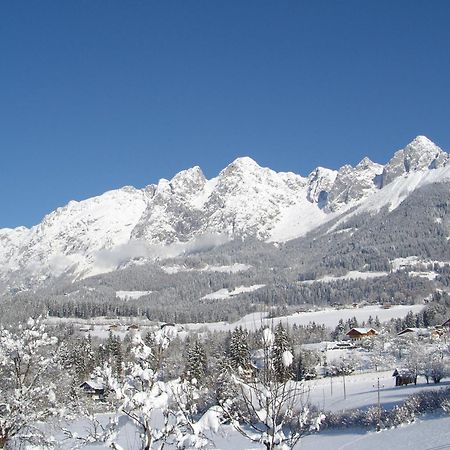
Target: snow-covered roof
(403, 372)
(417, 331)
(94, 384)
(363, 330)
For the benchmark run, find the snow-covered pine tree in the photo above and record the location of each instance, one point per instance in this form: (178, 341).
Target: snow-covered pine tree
(238, 351)
(282, 355)
(196, 362)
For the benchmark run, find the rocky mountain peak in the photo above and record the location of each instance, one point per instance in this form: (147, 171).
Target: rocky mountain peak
(188, 182)
(421, 153)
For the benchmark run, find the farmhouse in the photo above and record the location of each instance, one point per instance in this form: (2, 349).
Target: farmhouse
(355, 334)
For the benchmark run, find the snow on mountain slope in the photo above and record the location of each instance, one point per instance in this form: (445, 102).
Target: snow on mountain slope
(71, 236)
(397, 191)
(418, 155)
(244, 200)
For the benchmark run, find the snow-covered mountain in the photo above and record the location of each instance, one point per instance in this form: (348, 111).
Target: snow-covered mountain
(244, 200)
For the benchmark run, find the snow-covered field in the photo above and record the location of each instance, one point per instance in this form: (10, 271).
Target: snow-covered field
(131, 295)
(352, 275)
(232, 268)
(328, 317)
(431, 432)
(223, 294)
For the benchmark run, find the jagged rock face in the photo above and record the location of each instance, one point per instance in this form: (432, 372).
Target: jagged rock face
(320, 183)
(354, 183)
(420, 154)
(243, 200)
(247, 199)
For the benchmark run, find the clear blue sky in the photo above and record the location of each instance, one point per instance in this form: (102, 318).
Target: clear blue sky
(95, 95)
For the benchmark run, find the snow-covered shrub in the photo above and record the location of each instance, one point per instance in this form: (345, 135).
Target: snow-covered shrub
(164, 412)
(405, 412)
(30, 382)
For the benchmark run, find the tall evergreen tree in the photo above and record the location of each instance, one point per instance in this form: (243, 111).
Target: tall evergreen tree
(196, 362)
(282, 349)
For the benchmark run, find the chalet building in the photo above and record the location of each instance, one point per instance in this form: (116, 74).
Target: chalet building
(94, 389)
(403, 377)
(133, 327)
(356, 334)
(423, 333)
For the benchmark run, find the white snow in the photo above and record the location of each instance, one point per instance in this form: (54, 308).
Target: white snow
(297, 220)
(352, 275)
(223, 294)
(328, 317)
(232, 268)
(131, 295)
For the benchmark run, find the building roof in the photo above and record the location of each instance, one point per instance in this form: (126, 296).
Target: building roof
(416, 331)
(403, 372)
(94, 384)
(363, 330)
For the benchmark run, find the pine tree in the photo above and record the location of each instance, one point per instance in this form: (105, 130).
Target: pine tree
(282, 348)
(196, 362)
(238, 350)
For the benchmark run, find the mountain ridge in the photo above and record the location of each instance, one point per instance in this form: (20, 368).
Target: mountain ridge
(243, 200)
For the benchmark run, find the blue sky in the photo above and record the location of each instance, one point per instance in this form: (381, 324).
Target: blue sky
(95, 95)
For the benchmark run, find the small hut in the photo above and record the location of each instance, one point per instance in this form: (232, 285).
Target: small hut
(94, 389)
(403, 377)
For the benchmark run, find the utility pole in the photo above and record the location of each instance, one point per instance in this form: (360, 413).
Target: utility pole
(343, 379)
(331, 384)
(378, 404)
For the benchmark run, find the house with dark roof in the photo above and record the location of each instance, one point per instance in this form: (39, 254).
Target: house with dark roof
(356, 334)
(94, 389)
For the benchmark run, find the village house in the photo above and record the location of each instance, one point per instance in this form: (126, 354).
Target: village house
(422, 333)
(416, 332)
(356, 334)
(94, 389)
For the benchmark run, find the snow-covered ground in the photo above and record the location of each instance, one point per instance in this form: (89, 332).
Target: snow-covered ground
(430, 432)
(361, 390)
(352, 275)
(223, 294)
(328, 317)
(232, 268)
(131, 295)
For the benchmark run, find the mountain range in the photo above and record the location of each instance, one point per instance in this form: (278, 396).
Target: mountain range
(191, 213)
